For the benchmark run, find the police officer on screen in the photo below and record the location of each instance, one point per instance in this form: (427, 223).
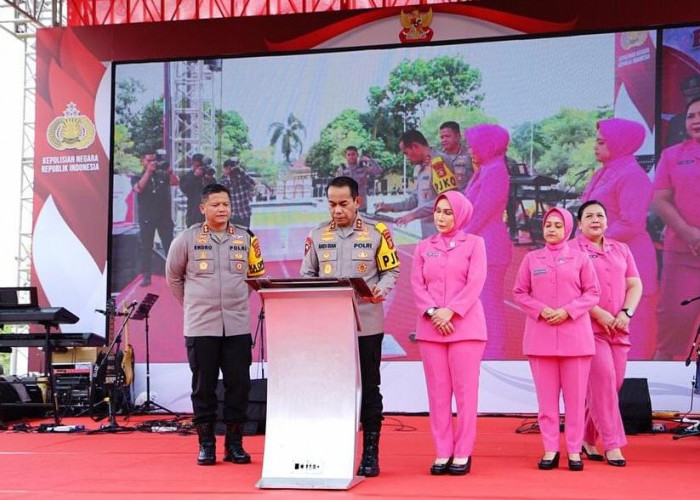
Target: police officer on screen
(347, 246)
(205, 270)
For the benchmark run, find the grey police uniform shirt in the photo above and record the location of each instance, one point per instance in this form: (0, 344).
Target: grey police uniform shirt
(361, 175)
(461, 165)
(423, 195)
(350, 252)
(205, 271)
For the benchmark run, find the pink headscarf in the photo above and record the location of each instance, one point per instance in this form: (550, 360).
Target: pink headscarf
(487, 141)
(568, 226)
(461, 207)
(623, 137)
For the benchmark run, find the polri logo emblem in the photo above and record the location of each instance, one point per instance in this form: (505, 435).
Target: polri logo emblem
(71, 130)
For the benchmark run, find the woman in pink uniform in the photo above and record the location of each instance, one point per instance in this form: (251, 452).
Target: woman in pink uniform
(620, 292)
(625, 190)
(677, 201)
(556, 287)
(448, 273)
(488, 191)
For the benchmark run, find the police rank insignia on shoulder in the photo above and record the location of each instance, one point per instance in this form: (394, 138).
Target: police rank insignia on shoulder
(387, 258)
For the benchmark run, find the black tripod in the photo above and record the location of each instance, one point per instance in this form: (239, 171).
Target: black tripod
(143, 313)
(113, 380)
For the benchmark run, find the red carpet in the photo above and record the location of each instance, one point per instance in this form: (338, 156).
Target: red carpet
(143, 465)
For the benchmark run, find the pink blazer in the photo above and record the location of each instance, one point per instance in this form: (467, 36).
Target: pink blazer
(571, 283)
(450, 277)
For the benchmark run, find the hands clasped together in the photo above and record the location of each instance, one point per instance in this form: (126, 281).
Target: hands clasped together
(442, 321)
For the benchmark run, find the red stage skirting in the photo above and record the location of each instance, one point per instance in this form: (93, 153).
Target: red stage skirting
(142, 465)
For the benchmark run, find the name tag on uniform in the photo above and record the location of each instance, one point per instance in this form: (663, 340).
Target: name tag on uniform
(432, 254)
(689, 161)
(541, 270)
(593, 255)
(561, 260)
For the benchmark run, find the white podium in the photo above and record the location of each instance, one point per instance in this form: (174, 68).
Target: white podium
(314, 390)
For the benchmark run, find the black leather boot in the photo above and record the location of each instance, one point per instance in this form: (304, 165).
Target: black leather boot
(207, 444)
(233, 446)
(369, 465)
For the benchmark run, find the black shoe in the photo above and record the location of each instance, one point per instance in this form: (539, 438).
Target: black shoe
(146, 281)
(207, 444)
(593, 457)
(369, 465)
(233, 446)
(575, 465)
(440, 469)
(460, 469)
(620, 462)
(549, 464)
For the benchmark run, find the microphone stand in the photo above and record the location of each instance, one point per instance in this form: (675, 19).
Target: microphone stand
(143, 312)
(693, 430)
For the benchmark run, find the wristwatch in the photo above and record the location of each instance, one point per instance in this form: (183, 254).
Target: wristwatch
(629, 312)
(431, 311)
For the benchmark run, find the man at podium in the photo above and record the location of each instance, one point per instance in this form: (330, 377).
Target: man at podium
(348, 247)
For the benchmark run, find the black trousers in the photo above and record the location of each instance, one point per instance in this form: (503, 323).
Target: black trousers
(370, 350)
(148, 228)
(233, 355)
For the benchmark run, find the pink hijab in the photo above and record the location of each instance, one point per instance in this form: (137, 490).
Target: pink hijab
(623, 137)
(461, 207)
(487, 141)
(568, 226)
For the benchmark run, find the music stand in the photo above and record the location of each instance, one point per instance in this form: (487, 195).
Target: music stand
(143, 312)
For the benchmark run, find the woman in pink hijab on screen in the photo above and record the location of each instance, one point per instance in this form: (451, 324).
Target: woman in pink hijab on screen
(556, 286)
(677, 201)
(624, 188)
(620, 292)
(447, 275)
(488, 191)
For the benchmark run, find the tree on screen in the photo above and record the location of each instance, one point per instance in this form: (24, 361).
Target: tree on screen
(416, 87)
(233, 134)
(288, 135)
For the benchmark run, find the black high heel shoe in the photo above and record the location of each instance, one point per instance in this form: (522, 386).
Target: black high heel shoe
(460, 469)
(440, 469)
(593, 457)
(620, 462)
(575, 465)
(549, 464)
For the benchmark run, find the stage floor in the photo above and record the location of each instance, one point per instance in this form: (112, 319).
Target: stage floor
(154, 465)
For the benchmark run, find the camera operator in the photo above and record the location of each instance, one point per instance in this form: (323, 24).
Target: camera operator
(152, 188)
(241, 186)
(191, 184)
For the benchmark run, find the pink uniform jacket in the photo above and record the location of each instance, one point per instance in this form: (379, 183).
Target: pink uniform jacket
(679, 171)
(453, 278)
(613, 265)
(488, 190)
(571, 283)
(625, 190)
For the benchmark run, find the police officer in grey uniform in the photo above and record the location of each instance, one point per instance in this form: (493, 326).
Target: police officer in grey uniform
(456, 155)
(205, 270)
(432, 175)
(361, 169)
(349, 247)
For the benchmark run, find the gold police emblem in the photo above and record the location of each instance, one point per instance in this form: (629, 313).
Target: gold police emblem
(202, 255)
(326, 255)
(71, 130)
(362, 255)
(203, 266)
(238, 256)
(202, 238)
(361, 267)
(327, 269)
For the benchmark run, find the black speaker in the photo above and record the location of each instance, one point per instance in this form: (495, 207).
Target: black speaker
(257, 408)
(635, 406)
(20, 399)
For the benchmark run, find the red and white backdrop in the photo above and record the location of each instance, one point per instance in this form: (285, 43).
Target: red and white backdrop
(75, 112)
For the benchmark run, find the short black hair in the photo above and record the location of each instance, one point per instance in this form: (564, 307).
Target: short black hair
(213, 189)
(454, 126)
(343, 181)
(197, 157)
(351, 148)
(691, 102)
(413, 137)
(579, 214)
(145, 152)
